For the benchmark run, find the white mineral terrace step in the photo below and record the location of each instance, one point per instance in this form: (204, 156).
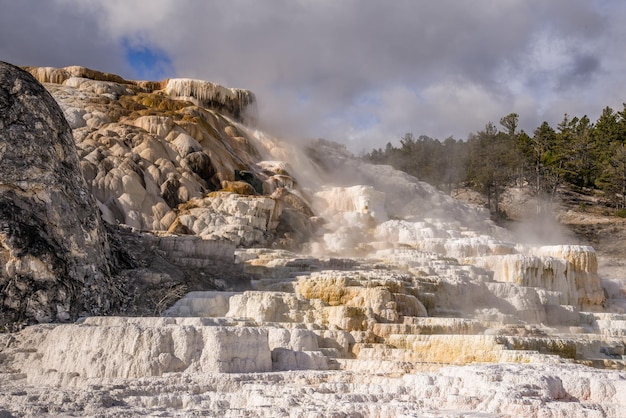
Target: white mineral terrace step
(278, 272)
(118, 347)
(274, 285)
(139, 349)
(205, 303)
(396, 360)
(400, 366)
(605, 364)
(462, 349)
(331, 353)
(386, 352)
(133, 347)
(386, 367)
(431, 325)
(594, 316)
(604, 323)
(453, 340)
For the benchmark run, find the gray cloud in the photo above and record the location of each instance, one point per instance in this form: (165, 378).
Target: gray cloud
(363, 72)
(580, 71)
(43, 33)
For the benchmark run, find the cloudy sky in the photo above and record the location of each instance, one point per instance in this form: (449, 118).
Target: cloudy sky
(361, 72)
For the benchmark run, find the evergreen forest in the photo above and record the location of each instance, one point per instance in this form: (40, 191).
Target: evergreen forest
(578, 154)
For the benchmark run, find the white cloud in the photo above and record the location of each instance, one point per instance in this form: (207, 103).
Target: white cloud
(436, 68)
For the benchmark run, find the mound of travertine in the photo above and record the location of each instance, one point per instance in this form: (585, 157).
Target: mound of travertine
(372, 293)
(153, 153)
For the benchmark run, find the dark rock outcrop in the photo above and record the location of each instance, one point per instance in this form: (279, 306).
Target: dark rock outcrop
(53, 249)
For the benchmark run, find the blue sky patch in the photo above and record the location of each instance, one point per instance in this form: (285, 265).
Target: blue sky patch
(148, 62)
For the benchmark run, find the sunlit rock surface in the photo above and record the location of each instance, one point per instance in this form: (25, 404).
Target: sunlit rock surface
(231, 101)
(243, 220)
(146, 147)
(370, 293)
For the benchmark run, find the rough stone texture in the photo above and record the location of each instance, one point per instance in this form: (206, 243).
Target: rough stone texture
(232, 101)
(53, 252)
(146, 148)
(158, 269)
(243, 220)
(138, 347)
(500, 390)
(217, 365)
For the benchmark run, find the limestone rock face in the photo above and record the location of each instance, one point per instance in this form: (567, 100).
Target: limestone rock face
(583, 267)
(243, 220)
(148, 148)
(231, 100)
(53, 252)
(164, 347)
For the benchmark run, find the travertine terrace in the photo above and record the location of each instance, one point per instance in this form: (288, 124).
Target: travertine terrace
(368, 293)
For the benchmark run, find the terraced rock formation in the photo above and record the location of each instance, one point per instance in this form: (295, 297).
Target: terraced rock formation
(323, 286)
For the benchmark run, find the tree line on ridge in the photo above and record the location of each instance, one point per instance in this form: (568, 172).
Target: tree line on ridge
(584, 156)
